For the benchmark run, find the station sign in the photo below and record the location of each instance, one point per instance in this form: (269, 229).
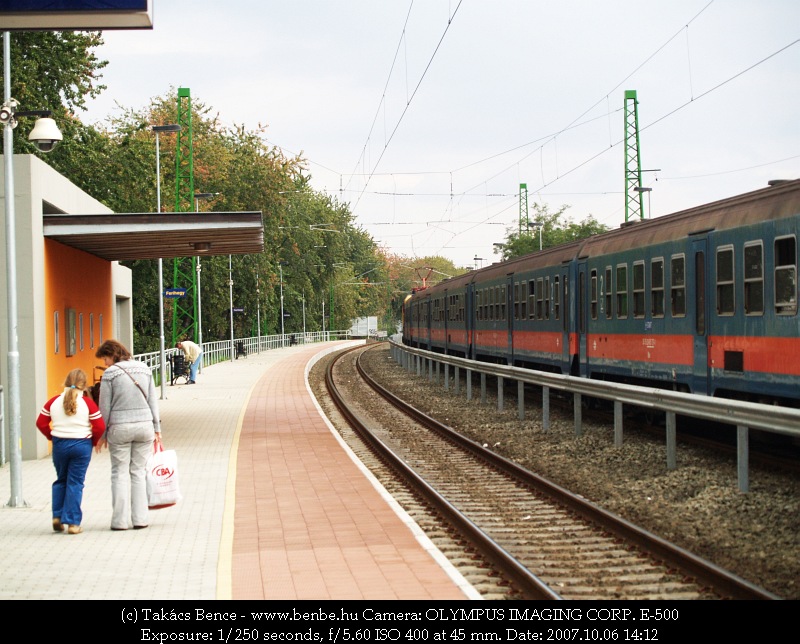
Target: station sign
(174, 293)
(75, 15)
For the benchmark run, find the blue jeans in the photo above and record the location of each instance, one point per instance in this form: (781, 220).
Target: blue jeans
(193, 368)
(71, 458)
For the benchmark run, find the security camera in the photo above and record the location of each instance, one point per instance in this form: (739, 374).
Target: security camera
(7, 112)
(45, 134)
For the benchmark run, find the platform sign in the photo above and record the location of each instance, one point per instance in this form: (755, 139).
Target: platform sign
(174, 293)
(75, 15)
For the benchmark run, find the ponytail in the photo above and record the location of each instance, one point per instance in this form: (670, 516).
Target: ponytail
(75, 384)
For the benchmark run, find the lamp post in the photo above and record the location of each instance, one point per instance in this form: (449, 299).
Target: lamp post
(280, 268)
(539, 225)
(258, 311)
(640, 190)
(44, 135)
(161, 354)
(197, 197)
(230, 297)
(477, 259)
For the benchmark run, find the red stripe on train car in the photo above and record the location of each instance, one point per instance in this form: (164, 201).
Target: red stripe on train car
(655, 349)
(764, 355)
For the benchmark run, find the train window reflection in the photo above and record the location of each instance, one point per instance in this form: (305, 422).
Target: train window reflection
(622, 291)
(725, 283)
(786, 276)
(638, 289)
(754, 278)
(678, 285)
(657, 288)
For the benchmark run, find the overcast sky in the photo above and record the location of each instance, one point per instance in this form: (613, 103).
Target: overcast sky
(426, 116)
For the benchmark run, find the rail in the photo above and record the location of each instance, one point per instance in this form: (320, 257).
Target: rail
(740, 414)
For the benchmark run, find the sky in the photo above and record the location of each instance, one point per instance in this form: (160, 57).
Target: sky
(426, 116)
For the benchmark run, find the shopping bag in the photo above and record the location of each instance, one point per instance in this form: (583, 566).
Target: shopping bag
(163, 487)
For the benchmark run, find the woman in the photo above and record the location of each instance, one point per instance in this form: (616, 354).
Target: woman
(129, 406)
(73, 423)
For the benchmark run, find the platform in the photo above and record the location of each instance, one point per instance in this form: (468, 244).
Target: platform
(275, 507)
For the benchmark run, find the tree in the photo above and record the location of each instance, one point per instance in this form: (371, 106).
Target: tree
(555, 230)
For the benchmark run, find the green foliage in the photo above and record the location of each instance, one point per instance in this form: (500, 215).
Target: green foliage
(555, 229)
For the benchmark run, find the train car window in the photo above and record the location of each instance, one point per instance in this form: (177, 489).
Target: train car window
(565, 299)
(657, 288)
(539, 298)
(725, 282)
(622, 291)
(754, 278)
(504, 296)
(532, 299)
(523, 300)
(638, 289)
(677, 284)
(516, 300)
(593, 295)
(609, 294)
(546, 298)
(556, 298)
(786, 276)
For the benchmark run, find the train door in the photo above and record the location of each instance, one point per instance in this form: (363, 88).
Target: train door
(700, 304)
(469, 319)
(580, 318)
(510, 296)
(445, 323)
(562, 290)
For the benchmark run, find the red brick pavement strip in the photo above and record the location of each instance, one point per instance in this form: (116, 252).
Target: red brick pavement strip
(309, 522)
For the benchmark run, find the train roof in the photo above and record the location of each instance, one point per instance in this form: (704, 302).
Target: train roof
(780, 199)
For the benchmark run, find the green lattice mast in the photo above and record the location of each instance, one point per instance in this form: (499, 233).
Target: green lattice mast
(184, 319)
(524, 229)
(633, 163)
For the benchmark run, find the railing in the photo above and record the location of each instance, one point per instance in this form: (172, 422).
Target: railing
(2, 428)
(223, 350)
(742, 415)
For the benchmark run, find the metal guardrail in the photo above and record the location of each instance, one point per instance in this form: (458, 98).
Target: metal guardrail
(743, 415)
(223, 350)
(3, 457)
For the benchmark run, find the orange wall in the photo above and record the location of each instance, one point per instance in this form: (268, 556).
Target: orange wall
(75, 280)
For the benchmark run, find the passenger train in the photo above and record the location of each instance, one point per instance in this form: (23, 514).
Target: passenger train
(702, 301)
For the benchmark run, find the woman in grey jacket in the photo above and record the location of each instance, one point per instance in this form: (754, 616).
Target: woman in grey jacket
(129, 406)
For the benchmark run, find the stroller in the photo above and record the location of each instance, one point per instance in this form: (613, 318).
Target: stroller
(178, 368)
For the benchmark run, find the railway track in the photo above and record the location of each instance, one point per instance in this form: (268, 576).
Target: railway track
(537, 540)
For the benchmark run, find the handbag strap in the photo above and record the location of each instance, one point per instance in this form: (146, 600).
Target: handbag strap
(139, 387)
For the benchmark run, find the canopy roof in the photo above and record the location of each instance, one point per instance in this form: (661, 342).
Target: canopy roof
(127, 236)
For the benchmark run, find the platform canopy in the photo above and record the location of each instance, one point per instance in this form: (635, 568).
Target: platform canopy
(127, 236)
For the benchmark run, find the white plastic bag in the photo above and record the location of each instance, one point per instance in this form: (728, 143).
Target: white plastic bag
(163, 487)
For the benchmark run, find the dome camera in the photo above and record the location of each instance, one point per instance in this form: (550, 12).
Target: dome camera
(45, 134)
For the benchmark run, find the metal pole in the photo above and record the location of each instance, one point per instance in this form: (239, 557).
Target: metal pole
(280, 268)
(258, 311)
(199, 315)
(161, 352)
(230, 296)
(304, 317)
(14, 415)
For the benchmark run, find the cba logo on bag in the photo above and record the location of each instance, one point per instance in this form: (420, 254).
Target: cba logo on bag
(162, 471)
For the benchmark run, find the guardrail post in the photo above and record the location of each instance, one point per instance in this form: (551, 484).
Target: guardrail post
(419, 365)
(469, 384)
(483, 387)
(458, 381)
(617, 423)
(577, 409)
(429, 361)
(672, 459)
(437, 373)
(520, 400)
(545, 409)
(500, 393)
(446, 377)
(743, 457)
